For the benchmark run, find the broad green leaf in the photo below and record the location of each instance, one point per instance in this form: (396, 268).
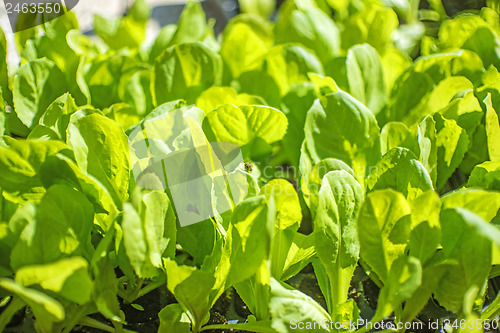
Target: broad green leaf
(126, 32)
(405, 276)
(400, 170)
(191, 288)
(148, 227)
(54, 45)
(184, 71)
(214, 97)
(309, 26)
(289, 64)
(312, 180)
(245, 125)
(473, 33)
(340, 127)
(286, 201)
(289, 307)
(259, 83)
(37, 84)
(295, 105)
(374, 26)
(47, 310)
(124, 115)
(468, 239)
(4, 73)
(492, 130)
(466, 111)
(366, 77)
(301, 252)
(452, 142)
(135, 90)
(192, 25)
(20, 163)
(428, 147)
(486, 175)
(246, 41)
(173, 319)
(68, 278)
(62, 227)
(58, 115)
(262, 8)
(101, 150)
(394, 62)
(440, 98)
(162, 41)
(59, 169)
(101, 76)
(425, 234)
(483, 203)
(253, 218)
(407, 95)
(336, 235)
(396, 134)
(384, 229)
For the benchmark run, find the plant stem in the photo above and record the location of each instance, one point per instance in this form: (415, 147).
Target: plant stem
(150, 287)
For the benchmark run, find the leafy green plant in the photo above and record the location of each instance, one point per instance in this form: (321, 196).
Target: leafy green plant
(370, 136)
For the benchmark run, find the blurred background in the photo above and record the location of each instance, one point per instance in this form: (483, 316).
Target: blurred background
(166, 12)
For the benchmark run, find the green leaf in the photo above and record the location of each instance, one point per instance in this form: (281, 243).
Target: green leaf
(365, 76)
(59, 169)
(300, 254)
(259, 83)
(126, 32)
(452, 142)
(37, 84)
(245, 124)
(289, 64)
(20, 163)
(425, 228)
(289, 307)
(214, 97)
(483, 203)
(191, 288)
(492, 130)
(104, 76)
(148, 227)
(384, 229)
(295, 105)
(336, 236)
(4, 73)
(245, 44)
(62, 227)
(405, 276)
(47, 310)
(192, 25)
(101, 150)
(374, 26)
(486, 175)
(310, 27)
(105, 290)
(428, 148)
(173, 319)
(68, 278)
(468, 239)
(286, 201)
(396, 134)
(400, 170)
(262, 8)
(184, 71)
(339, 126)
